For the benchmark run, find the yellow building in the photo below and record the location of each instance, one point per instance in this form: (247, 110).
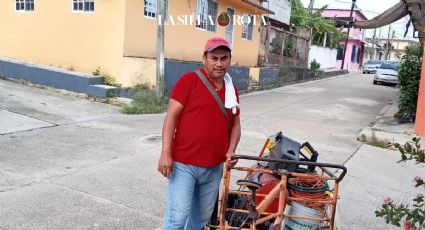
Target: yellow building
(119, 36)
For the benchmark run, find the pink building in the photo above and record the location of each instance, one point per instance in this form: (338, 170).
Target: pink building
(356, 42)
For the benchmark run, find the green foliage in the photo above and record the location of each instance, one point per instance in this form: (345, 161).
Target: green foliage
(96, 72)
(408, 80)
(321, 27)
(106, 78)
(289, 46)
(301, 16)
(413, 217)
(334, 37)
(141, 83)
(109, 80)
(110, 94)
(314, 65)
(411, 150)
(145, 102)
(276, 44)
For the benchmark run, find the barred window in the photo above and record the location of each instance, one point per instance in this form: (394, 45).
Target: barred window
(83, 5)
(151, 7)
(24, 5)
(206, 15)
(247, 26)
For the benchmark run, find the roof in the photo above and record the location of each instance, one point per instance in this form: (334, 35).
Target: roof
(258, 7)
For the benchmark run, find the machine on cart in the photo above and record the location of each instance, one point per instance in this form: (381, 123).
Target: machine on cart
(285, 188)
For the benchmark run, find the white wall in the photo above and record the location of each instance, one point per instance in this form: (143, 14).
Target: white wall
(325, 56)
(281, 8)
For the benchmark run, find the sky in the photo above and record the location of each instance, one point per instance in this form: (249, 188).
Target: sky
(370, 9)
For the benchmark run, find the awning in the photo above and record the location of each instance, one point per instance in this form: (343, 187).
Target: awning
(391, 15)
(265, 10)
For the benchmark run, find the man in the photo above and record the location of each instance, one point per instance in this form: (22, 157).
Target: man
(197, 139)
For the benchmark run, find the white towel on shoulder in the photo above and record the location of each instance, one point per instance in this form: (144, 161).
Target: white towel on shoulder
(230, 101)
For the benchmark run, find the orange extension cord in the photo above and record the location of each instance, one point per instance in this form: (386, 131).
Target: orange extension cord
(311, 189)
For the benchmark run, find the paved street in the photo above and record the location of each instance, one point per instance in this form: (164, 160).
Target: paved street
(70, 163)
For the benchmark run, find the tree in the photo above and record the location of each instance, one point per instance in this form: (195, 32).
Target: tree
(321, 27)
(409, 76)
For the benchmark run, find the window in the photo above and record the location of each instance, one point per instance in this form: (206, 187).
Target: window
(151, 8)
(359, 51)
(353, 54)
(390, 65)
(24, 5)
(247, 26)
(340, 53)
(212, 11)
(228, 31)
(83, 5)
(206, 14)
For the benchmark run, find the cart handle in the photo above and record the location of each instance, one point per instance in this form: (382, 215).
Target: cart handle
(323, 166)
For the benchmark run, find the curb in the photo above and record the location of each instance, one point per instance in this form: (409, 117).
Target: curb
(386, 130)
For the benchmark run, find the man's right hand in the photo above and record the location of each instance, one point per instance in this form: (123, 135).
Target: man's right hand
(165, 164)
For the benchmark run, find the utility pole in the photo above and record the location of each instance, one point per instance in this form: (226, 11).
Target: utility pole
(373, 45)
(387, 43)
(160, 59)
(268, 29)
(379, 40)
(310, 40)
(348, 34)
(391, 45)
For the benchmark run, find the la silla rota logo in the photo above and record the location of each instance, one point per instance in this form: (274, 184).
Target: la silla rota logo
(223, 19)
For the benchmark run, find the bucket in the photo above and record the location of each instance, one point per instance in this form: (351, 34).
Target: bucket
(302, 224)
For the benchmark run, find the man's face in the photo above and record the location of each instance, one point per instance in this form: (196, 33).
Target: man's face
(217, 62)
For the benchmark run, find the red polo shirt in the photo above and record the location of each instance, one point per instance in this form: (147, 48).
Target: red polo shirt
(202, 137)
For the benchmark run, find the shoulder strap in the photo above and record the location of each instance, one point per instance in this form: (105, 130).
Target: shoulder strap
(213, 92)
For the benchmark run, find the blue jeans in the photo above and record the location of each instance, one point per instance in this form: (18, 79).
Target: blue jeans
(192, 193)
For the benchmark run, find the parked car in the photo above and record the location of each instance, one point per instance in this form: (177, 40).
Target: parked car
(371, 66)
(387, 73)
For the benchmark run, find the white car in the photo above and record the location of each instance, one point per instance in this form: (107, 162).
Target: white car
(387, 73)
(371, 66)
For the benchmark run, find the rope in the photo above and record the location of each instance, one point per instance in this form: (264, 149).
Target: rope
(312, 189)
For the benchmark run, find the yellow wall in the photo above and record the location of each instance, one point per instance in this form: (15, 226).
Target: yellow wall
(116, 37)
(185, 42)
(53, 35)
(138, 71)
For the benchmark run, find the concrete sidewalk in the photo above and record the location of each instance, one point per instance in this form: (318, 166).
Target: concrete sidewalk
(374, 173)
(387, 128)
(71, 163)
